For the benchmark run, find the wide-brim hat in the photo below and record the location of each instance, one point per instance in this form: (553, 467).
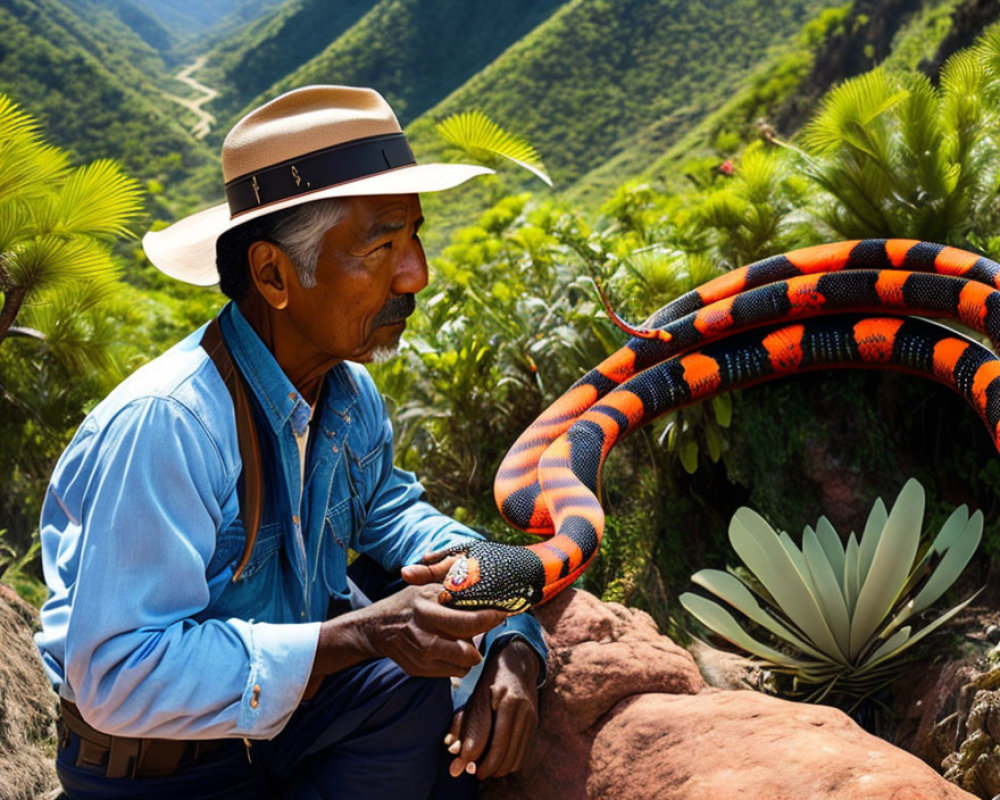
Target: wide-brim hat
(308, 144)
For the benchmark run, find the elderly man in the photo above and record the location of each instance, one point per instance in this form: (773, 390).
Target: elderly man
(202, 630)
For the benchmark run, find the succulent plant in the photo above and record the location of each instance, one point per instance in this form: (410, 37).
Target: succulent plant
(840, 615)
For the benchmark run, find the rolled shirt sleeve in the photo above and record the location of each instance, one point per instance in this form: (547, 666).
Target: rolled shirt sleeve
(128, 529)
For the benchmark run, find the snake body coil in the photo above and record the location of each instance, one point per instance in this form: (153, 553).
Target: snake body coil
(748, 326)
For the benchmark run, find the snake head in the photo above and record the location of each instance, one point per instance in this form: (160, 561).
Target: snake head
(492, 575)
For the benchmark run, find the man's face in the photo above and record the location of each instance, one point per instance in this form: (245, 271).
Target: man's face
(370, 266)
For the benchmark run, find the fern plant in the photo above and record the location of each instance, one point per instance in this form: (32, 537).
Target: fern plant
(842, 615)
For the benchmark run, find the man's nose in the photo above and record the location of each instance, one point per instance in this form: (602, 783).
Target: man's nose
(411, 271)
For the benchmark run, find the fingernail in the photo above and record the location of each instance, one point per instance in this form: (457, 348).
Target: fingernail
(471, 768)
(455, 748)
(449, 739)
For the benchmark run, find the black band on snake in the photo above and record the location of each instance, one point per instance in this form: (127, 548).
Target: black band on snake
(772, 318)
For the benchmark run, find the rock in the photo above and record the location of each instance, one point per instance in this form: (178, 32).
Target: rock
(27, 706)
(625, 714)
(750, 745)
(975, 765)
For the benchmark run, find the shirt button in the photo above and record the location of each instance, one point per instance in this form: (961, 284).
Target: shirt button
(336, 449)
(347, 417)
(255, 698)
(302, 614)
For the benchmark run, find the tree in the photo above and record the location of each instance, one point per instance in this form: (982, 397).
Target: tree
(60, 304)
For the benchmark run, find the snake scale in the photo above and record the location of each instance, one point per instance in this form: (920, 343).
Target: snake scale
(820, 307)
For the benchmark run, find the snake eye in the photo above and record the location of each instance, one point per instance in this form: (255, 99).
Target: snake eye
(463, 574)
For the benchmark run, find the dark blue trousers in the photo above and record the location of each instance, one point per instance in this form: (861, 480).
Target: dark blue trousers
(369, 732)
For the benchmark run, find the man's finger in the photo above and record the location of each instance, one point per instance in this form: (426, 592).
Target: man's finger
(455, 731)
(423, 573)
(502, 741)
(459, 623)
(476, 727)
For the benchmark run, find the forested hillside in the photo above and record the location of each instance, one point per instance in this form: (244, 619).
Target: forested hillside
(582, 83)
(96, 87)
(247, 64)
(416, 52)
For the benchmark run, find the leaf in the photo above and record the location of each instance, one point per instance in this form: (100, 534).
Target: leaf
(98, 199)
(735, 592)
(689, 457)
(937, 623)
(890, 566)
(954, 561)
(480, 137)
(722, 406)
(953, 528)
(870, 537)
(716, 618)
(761, 550)
(850, 573)
(832, 546)
(828, 591)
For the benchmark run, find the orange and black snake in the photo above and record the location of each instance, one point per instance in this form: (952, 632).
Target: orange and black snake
(805, 310)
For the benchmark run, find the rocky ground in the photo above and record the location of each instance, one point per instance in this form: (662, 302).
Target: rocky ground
(627, 713)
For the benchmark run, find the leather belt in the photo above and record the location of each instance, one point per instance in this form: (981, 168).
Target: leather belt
(127, 757)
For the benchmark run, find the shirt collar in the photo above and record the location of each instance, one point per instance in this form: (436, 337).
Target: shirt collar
(278, 398)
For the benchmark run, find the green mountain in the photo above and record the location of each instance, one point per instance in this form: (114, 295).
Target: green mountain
(415, 52)
(97, 88)
(250, 60)
(196, 16)
(580, 85)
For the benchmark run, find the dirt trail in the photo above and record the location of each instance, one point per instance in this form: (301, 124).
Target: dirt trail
(205, 120)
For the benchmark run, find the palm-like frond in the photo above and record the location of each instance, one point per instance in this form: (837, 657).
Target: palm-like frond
(45, 260)
(98, 199)
(851, 113)
(481, 138)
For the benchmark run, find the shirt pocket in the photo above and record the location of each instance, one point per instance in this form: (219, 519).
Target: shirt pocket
(266, 547)
(338, 531)
(362, 476)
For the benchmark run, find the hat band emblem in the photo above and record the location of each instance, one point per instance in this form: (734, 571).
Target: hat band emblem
(318, 170)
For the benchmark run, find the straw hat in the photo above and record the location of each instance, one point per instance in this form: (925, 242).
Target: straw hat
(309, 144)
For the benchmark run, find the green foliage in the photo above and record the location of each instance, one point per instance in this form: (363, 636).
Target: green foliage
(435, 47)
(897, 156)
(61, 303)
(838, 611)
(476, 134)
(248, 62)
(96, 88)
(16, 571)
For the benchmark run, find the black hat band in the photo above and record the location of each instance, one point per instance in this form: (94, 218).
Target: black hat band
(318, 170)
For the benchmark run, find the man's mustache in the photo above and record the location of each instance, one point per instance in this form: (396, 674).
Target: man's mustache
(396, 309)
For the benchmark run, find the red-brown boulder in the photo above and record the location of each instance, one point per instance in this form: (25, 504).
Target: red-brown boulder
(625, 714)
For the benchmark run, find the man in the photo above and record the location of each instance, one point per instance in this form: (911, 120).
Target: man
(201, 630)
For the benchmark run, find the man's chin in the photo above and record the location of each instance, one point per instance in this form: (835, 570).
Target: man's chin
(384, 352)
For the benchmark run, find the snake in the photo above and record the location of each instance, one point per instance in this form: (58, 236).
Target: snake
(818, 307)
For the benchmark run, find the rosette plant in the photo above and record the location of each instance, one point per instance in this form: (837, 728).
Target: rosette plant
(838, 616)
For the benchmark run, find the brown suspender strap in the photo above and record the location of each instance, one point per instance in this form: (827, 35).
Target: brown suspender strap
(251, 489)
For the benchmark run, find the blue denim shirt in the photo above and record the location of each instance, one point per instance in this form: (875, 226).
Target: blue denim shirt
(145, 628)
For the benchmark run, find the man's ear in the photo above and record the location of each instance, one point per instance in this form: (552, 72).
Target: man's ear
(270, 270)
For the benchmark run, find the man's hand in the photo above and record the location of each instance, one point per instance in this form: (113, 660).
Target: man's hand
(412, 628)
(431, 569)
(500, 717)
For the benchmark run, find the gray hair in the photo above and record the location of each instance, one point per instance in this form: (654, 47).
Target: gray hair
(299, 233)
